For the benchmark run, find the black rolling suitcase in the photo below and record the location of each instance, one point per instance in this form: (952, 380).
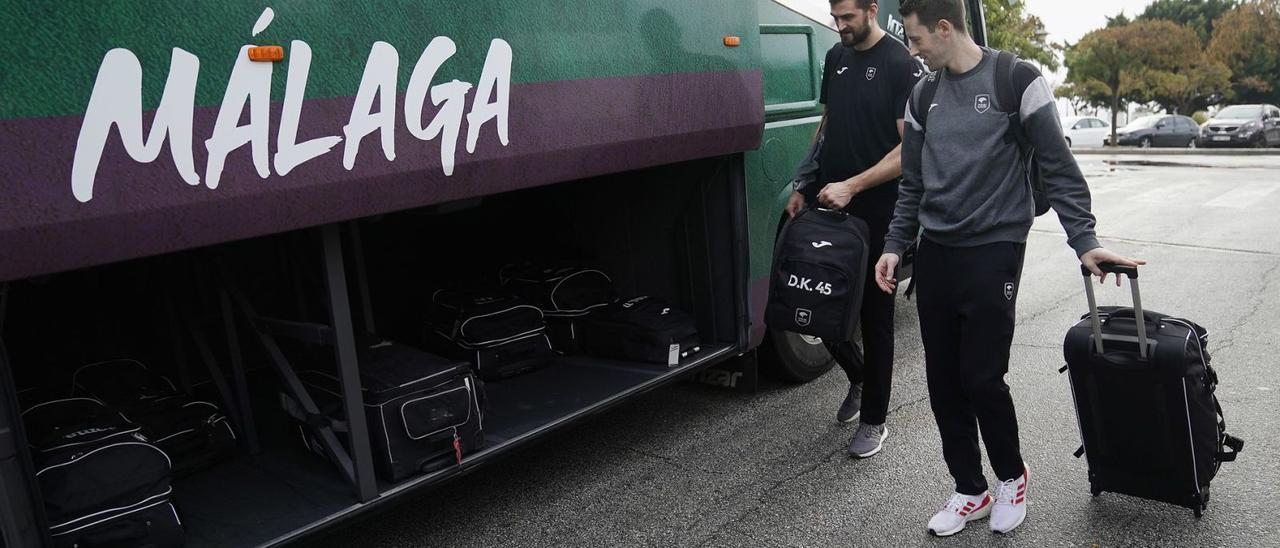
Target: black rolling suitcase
(501, 336)
(565, 294)
(194, 433)
(643, 329)
(103, 483)
(1149, 421)
(424, 412)
(819, 274)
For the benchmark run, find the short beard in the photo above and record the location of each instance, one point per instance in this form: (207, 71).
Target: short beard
(855, 36)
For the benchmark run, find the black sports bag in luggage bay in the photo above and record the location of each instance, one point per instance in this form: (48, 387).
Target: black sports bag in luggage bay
(565, 294)
(501, 336)
(1149, 421)
(644, 329)
(103, 483)
(424, 412)
(819, 270)
(194, 433)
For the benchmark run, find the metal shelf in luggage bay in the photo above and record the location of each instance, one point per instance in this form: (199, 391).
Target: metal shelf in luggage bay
(636, 378)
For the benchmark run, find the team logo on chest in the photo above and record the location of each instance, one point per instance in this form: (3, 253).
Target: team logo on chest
(871, 73)
(982, 103)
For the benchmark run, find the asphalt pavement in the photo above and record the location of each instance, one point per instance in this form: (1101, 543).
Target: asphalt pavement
(690, 465)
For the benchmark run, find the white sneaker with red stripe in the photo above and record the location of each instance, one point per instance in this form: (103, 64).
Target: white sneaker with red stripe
(1011, 503)
(959, 510)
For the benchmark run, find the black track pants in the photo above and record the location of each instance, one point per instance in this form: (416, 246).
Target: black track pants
(872, 363)
(966, 297)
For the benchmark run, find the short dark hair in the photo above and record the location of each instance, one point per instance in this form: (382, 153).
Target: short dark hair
(862, 4)
(929, 12)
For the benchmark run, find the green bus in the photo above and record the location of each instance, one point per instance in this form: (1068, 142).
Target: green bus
(174, 172)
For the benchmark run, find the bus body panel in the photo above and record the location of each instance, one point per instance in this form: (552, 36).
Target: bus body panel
(645, 83)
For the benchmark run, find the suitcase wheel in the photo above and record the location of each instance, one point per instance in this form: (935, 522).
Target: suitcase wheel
(1094, 489)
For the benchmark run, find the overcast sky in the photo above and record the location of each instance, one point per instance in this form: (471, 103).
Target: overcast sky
(1068, 20)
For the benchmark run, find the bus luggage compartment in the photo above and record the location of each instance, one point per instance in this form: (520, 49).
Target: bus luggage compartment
(204, 318)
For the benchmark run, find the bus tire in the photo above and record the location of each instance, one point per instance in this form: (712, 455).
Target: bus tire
(791, 357)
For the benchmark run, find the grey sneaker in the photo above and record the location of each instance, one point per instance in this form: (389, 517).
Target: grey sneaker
(852, 406)
(868, 440)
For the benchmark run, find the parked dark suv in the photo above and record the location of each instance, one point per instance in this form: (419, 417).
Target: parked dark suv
(1159, 130)
(1242, 126)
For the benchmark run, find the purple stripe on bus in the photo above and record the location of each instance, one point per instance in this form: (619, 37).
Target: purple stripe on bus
(558, 131)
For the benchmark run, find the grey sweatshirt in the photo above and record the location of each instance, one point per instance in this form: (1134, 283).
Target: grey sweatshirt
(965, 185)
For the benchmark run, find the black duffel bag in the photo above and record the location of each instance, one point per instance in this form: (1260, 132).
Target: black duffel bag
(563, 293)
(559, 291)
(103, 483)
(644, 329)
(424, 412)
(501, 336)
(194, 433)
(819, 274)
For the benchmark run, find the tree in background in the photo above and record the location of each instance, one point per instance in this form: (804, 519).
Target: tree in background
(1198, 15)
(1119, 20)
(1091, 94)
(1175, 71)
(1246, 40)
(1104, 59)
(1011, 28)
(1189, 88)
(1142, 61)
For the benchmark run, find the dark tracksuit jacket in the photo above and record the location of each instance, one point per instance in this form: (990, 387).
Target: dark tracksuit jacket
(965, 186)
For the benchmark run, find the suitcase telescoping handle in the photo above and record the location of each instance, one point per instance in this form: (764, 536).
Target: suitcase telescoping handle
(1139, 319)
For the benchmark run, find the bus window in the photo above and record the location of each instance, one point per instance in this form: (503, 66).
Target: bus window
(791, 72)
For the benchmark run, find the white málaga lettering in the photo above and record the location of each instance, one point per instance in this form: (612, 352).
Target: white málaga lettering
(290, 153)
(250, 83)
(116, 101)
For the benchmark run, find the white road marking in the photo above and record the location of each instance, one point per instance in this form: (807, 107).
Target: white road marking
(1244, 196)
(1166, 193)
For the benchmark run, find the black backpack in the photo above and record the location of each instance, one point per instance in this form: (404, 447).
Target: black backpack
(1016, 134)
(819, 273)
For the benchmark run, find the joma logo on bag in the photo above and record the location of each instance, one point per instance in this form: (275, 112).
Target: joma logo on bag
(85, 432)
(808, 284)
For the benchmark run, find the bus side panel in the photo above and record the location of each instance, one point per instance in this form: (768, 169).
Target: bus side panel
(119, 153)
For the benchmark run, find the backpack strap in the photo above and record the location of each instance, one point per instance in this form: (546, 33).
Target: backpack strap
(1005, 92)
(925, 99)
(1009, 98)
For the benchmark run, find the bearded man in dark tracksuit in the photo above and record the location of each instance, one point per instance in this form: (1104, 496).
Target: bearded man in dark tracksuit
(965, 184)
(865, 84)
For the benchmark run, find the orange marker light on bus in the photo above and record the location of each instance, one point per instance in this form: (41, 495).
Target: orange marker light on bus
(732, 41)
(266, 54)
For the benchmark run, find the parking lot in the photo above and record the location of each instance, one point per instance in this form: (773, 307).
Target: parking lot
(690, 465)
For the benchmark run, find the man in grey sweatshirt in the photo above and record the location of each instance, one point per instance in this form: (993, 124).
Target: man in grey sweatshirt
(964, 183)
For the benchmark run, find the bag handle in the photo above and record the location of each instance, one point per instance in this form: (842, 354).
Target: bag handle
(1132, 273)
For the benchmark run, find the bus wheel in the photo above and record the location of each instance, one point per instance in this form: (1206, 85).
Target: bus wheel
(793, 357)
